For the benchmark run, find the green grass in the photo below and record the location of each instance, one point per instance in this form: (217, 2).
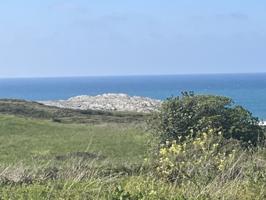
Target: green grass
(24, 139)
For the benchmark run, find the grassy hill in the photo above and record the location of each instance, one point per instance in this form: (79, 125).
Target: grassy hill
(42, 145)
(53, 153)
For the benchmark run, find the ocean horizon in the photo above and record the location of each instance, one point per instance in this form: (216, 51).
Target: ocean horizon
(247, 90)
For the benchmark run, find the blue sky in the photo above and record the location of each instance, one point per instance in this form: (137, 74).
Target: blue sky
(130, 37)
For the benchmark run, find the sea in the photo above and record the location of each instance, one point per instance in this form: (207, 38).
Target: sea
(248, 90)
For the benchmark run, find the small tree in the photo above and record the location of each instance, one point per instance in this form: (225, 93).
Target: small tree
(189, 114)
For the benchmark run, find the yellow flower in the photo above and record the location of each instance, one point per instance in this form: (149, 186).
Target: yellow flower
(163, 151)
(175, 148)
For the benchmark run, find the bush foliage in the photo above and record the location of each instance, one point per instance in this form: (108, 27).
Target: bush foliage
(188, 114)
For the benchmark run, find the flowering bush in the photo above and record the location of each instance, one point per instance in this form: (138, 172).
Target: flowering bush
(200, 158)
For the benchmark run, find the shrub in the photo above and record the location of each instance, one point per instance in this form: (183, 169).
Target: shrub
(198, 160)
(212, 167)
(189, 114)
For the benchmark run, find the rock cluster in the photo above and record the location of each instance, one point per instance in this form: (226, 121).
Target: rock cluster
(108, 102)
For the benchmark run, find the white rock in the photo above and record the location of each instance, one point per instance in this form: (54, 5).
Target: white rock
(108, 102)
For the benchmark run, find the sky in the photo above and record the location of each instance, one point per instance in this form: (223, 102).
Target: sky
(54, 38)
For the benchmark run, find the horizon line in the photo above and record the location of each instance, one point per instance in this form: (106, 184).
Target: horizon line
(131, 75)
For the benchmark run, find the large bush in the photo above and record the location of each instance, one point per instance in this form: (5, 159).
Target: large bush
(189, 114)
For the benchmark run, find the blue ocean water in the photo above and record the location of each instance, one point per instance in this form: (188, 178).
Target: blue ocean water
(248, 90)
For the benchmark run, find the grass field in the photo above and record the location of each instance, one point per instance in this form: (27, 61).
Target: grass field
(51, 153)
(26, 140)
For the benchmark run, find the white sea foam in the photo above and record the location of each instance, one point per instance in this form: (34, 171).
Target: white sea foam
(262, 123)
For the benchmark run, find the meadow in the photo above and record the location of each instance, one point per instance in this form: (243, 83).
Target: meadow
(51, 153)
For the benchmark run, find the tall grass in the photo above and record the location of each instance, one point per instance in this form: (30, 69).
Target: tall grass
(244, 179)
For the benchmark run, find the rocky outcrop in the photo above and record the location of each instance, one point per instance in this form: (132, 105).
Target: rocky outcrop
(108, 102)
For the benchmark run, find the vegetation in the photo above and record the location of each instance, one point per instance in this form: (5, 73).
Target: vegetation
(189, 114)
(39, 111)
(30, 140)
(51, 153)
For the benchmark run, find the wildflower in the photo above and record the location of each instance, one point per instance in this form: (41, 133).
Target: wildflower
(163, 151)
(175, 148)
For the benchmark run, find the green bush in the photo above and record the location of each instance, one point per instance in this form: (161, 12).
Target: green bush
(189, 114)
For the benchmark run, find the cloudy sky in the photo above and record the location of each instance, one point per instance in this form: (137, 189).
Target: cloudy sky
(131, 37)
